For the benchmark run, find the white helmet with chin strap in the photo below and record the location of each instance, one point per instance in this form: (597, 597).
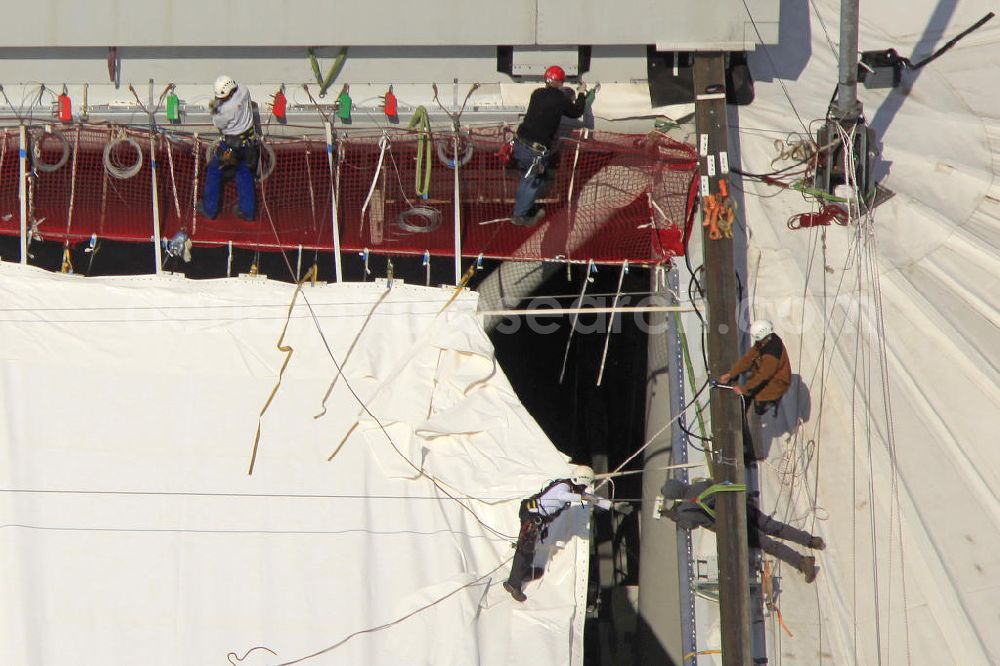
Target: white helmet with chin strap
(224, 85)
(582, 475)
(761, 329)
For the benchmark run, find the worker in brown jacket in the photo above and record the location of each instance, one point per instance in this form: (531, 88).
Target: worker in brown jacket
(769, 368)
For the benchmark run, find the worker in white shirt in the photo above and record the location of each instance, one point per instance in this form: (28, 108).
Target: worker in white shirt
(537, 512)
(236, 154)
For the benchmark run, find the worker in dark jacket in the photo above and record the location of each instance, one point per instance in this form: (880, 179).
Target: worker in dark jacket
(694, 506)
(769, 368)
(537, 512)
(237, 152)
(535, 138)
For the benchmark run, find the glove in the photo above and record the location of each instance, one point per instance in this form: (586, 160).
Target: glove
(581, 88)
(624, 508)
(604, 504)
(213, 105)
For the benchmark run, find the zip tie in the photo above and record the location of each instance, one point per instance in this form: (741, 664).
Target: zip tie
(625, 267)
(388, 274)
(593, 271)
(229, 261)
(427, 265)
(93, 243)
(479, 262)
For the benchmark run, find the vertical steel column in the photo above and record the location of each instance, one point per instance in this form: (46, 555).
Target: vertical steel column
(23, 192)
(156, 202)
(658, 633)
(458, 216)
(334, 213)
(685, 558)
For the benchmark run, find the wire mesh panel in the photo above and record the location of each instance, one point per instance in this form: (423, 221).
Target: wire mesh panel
(607, 197)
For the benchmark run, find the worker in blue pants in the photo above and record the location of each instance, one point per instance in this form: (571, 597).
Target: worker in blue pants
(237, 153)
(535, 138)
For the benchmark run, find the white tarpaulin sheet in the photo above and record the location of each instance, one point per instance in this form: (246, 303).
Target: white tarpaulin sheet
(893, 330)
(375, 528)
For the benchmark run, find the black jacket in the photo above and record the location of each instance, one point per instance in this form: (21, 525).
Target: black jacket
(545, 111)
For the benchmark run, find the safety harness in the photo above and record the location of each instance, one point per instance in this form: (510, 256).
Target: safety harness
(532, 505)
(725, 486)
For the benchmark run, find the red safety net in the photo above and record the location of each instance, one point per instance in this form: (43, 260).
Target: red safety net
(611, 198)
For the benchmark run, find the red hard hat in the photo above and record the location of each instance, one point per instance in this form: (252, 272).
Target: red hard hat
(555, 73)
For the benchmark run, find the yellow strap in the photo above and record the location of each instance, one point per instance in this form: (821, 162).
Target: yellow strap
(285, 349)
(67, 262)
(692, 655)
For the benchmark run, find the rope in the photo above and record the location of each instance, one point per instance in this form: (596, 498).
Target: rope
(325, 82)
(425, 160)
(653, 437)
(401, 618)
(38, 163)
(829, 213)
(611, 321)
(173, 177)
(287, 350)
(319, 329)
(430, 219)
(576, 315)
(126, 172)
(383, 145)
(194, 188)
(312, 193)
(72, 187)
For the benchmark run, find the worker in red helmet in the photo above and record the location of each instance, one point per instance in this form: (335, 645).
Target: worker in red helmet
(535, 138)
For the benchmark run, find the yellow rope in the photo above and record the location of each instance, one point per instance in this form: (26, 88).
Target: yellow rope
(288, 351)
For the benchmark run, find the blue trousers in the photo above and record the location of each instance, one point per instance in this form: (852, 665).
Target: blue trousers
(216, 174)
(529, 185)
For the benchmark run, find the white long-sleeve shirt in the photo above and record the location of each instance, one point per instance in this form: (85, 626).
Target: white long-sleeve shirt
(235, 115)
(558, 496)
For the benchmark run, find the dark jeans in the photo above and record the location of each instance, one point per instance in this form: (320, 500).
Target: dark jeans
(529, 186)
(763, 527)
(244, 170)
(524, 552)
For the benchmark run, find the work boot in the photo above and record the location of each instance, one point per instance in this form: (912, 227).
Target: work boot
(817, 543)
(238, 212)
(808, 568)
(518, 594)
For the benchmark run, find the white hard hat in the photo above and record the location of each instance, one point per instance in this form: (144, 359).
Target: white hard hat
(224, 85)
(582, 475)
(761, 329)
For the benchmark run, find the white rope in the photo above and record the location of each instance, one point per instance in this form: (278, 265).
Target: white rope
(156, 202)
(173, 178)
(72, 182)
(194, 188)
(334, 197)
(611, 322)
(576, 315)
(312, 193)
(383, 145)
(652, 438)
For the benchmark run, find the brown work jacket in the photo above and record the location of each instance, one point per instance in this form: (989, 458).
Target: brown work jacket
(769, 368)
